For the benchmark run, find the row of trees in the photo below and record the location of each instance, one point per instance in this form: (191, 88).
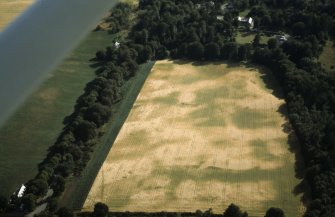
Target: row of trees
(102, 210)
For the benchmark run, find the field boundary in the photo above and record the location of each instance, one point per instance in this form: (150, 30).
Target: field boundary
(78, 188)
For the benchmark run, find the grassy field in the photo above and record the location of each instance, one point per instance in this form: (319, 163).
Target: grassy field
(10, 9)
(327, 57)
(248, 37)
(25, 138)
(200, 136)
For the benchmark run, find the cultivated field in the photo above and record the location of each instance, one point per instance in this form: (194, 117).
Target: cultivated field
(200, 136)
(10, 9)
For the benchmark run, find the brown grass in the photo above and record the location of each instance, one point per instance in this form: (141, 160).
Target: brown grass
(199, 137)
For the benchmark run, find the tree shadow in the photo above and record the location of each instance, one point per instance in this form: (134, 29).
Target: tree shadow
(303, 188)
(270, 82)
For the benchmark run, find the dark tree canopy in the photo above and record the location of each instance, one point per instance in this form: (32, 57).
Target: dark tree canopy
(274, 212)
(100, 210)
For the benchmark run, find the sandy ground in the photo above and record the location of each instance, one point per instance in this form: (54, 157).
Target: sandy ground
(199, 137)
(10, 9)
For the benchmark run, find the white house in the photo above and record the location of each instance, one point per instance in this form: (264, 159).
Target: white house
(282, 38)
(21, 191)
(117, 44)
(248, 21)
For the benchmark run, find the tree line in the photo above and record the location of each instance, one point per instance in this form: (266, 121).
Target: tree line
(102, 210)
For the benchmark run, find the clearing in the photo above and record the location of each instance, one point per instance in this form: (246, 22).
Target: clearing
(327, 57)
(200, 136)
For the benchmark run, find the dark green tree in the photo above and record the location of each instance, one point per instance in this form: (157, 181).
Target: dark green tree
(195, 51)
(272, 43)
(212, 51)
(233, 211)
(3, 203)
(274, 212)
(257, 40)
(64, 212)
(85, 130)
(29, 202)
(100, 210)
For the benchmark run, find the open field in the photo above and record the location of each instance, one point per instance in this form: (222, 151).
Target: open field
(27, 135)
(200, 136)
(248, 37)
(327, 57)
(10, 9)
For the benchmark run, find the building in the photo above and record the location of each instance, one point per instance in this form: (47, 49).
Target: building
(246, 21)
(117, 44)
(282, 38)
(21, 191)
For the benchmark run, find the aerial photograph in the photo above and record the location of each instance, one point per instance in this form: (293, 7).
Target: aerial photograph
(167, 108)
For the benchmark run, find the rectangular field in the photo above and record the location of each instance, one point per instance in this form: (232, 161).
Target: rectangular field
(200, 136)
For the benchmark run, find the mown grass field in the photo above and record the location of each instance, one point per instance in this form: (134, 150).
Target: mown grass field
(25, 138)
(10, 9)
(200, 136)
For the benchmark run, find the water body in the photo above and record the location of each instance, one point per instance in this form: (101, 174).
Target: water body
(36, 42)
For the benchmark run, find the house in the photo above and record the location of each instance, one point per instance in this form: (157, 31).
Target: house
(117, 44)
(221, 18)
(282, 38)
(21, 191)
(246, 21)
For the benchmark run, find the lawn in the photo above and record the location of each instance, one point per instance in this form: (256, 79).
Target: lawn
(10, 9)
(25, 138)
(248, 37)
(201, 135)
(327, 57)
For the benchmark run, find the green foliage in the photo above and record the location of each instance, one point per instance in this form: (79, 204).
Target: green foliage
(38, 187)
(212, 51)
(195, 50)
(274, 212)
(29, 202)
(3, 204)
(100, 210)
(64, 212)
(233, 211)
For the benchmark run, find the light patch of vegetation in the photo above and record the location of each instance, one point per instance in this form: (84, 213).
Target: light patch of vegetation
(327, 57)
